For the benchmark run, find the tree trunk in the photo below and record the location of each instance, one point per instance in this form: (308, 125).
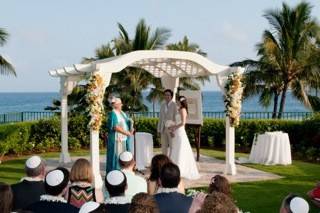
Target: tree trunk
(283, 100)
(275, 105)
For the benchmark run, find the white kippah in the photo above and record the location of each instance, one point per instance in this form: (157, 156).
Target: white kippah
(126, 156)
(299, 205)
(115, 177)
(54, 177)
(89, 207)
(33, 162)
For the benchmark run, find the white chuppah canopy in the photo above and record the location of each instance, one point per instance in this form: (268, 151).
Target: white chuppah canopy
(168, 65)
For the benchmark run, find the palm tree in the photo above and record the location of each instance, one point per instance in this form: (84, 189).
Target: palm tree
(130, 82)
(187, 82)
(287, 55)
(289, 46)
(260, 78)
(5, 67)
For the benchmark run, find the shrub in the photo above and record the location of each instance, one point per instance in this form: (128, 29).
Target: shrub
(44, 135)
(14, 138)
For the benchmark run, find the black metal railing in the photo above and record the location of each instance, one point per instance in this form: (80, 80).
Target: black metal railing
(32, 116)
(24, 116)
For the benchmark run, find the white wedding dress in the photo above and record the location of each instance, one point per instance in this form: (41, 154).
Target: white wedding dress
(181, 153)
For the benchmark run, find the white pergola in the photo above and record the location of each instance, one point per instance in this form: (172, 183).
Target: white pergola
(165, 64)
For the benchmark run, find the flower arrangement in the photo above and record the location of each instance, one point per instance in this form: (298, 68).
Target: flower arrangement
(94, 99)
(233, 97)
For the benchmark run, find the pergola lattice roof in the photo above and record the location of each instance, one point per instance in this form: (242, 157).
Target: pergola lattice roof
(158, 62)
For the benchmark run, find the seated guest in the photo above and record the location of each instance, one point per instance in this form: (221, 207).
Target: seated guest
(168, 197)
(197, 202)
(93, 207)
(5, 198)
(143, 203)
(135, 183)
(157, 163)
(31, 187)
(218, 202)
(293, 203)
(116, 184)
(314, 195)
(81, 190)
(220, 184)
(55, 184)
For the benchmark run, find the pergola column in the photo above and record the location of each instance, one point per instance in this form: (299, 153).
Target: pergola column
(230, 149)
(169, 82)
(94, 142)
(66, 86)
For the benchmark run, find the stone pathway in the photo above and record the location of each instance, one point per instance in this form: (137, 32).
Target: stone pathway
(208, 167)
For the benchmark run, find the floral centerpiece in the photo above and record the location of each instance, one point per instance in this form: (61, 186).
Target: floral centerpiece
(94, 98)
(233, 98)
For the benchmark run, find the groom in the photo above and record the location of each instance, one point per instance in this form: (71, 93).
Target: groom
(168, 111)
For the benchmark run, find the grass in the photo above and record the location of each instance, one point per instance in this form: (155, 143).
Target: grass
(266, 196)
(262, 196)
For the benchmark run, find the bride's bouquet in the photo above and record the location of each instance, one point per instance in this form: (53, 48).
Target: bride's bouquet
(169, 124)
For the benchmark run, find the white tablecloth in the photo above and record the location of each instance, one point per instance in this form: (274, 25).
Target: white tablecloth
(144, 151)
(271, 148)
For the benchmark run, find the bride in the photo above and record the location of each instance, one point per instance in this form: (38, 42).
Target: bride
(181, 152)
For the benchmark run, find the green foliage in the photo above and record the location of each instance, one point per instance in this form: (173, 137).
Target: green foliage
(14, 138)
(78, 129)
(44, 135)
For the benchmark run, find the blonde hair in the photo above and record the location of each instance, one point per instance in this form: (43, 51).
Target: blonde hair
(81, 171)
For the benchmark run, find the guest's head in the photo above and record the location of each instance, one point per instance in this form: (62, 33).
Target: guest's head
(56, 181)
(126, 161)
(218, 202)
(93, 207)
(292, 203)
(6, 197)
(81, 171)
(170, 176)
(116, 183)
(116, 103)
(35, 167)
(168, 95)
(220, 184)
(182, 100)
(157, 163)
(143, 203)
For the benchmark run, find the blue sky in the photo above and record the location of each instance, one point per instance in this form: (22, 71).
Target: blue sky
(46, 35)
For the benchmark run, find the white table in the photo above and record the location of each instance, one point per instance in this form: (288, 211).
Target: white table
(144, 151)
(271, 148)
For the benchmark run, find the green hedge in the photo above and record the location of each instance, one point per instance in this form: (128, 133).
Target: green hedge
(44, 135)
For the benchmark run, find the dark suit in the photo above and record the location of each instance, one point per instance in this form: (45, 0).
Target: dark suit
(26, 193)
(173, 202)
(119, 208)
(52, 207)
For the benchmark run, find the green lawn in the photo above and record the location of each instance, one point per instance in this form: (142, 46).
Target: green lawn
(263, 196)
(266, 196)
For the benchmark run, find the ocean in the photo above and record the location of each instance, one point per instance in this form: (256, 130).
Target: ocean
(212, 102)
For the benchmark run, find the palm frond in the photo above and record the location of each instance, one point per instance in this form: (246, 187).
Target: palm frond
(6, 68)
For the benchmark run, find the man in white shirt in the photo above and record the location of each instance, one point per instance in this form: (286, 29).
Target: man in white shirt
(168, 112)
(136, 184)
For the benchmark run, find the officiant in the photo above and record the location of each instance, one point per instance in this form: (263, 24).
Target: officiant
(120, 132)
